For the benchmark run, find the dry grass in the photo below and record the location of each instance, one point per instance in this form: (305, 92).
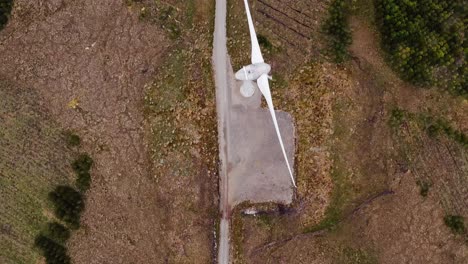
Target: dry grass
(34, 159)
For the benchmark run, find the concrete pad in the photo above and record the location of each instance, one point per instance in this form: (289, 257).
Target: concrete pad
(256, 168)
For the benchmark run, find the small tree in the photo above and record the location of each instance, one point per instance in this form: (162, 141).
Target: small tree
(68, 205)
(83, 181)
(73, 140)
(53, 252)
(455, 223)
(58, 232)
(82, 164)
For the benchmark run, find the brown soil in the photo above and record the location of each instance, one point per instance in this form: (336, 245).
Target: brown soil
(99, 54)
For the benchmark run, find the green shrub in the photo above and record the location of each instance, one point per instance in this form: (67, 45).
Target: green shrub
(58, 232)
(423, 187)
(72, 139)
(264, 42)
(455, 223)
(426, 41)
(82, 164)
(83, 181)
(53, 252)
(5, 10)
(337, 28)
(397, 117)
(68, 205)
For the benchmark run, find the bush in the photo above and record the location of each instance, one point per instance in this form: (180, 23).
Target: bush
(455, 223)
(264, 42)
(82, 164)
(424, 188)
(426, 41)
(336, 26)
(53, 252)
(83, 181)
(68, 205)
(5, 10)
(72, 139)
(58, 232)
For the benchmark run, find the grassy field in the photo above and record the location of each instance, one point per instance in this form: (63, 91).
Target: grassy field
(34, 159)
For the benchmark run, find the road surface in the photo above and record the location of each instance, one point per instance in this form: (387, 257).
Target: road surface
(220, 63)
(252, 164)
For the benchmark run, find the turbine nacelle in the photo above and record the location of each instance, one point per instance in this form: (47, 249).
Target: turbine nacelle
(252, 72)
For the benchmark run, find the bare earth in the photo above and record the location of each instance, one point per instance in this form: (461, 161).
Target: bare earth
(98, 53)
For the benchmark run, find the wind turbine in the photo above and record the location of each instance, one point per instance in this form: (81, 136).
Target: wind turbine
(258, 71)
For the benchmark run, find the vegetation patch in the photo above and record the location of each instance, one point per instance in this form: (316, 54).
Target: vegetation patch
(356, 256)
(337, 29)
(72, 139)
(426, 41)
(424, 187)
(54, 252)
(5, 10)
(431, 125)
(456, 223)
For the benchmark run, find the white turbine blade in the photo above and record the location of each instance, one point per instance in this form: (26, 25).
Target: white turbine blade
(256, 52)
(265, 89)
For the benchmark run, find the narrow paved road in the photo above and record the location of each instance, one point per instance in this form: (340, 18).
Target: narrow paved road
(220, 63)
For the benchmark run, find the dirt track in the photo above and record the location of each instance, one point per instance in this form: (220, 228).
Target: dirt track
(98, 53)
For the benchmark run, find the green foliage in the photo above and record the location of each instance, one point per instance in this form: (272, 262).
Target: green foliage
(437, 126)
(264, 42)
(166, 17)
(397, 117)
(337, 28)
(68, 205)
(58, 232)
(423, 187)
(82, 164)
(356, 256)
(83, 181)
(72, 139)
(426, 40)
(5, 10)
(455, 223)
(53, 252)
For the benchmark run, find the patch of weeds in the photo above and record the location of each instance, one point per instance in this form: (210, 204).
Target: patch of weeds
(168, 21)
(456, 223)
(337, 28)
(266, 220)
(5, 9)
(334, 211)
(437, 126)
(264, 42)
(356, 256)
(143, 13)
(424, 187)
(397, 117)
(72, 139)
(53, 252)
(237, 236)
